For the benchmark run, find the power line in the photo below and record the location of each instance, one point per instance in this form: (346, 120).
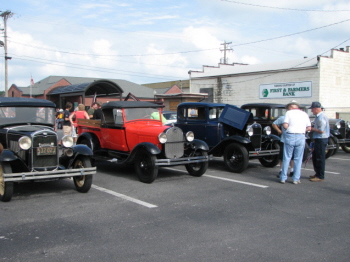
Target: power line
(284, 70)
(90, 68)
(284, 8)
(181, 52)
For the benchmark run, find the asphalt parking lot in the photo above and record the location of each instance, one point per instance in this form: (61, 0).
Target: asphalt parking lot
(220, 216)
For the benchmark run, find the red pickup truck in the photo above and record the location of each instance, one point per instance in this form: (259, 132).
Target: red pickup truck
(132, 132)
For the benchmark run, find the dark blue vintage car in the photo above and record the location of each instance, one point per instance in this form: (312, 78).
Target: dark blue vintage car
(29, 147)
(266, 113)
(229, 132)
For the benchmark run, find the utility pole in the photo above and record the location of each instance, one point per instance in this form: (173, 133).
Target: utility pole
(226, 48)
(5, 15)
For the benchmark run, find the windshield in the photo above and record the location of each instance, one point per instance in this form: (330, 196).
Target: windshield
(142, 113)
(39, 115)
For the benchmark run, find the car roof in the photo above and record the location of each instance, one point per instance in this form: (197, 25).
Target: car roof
(263, 105)
(25, 102)
(130, 104)
(194, 104)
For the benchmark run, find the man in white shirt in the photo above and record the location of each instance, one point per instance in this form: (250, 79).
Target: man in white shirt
(296, 123)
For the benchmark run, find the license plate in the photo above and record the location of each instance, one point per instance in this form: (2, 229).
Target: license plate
(45, 151)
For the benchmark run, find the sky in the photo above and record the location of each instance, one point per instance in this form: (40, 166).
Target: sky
(150, 41)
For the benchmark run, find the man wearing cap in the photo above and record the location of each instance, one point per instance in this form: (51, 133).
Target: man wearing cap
(296, 123)
(320, 134)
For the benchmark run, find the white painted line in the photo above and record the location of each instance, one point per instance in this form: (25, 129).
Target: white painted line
(236, 181)
(325, 171)
(225, 179)
(142, 203)
(339, 158)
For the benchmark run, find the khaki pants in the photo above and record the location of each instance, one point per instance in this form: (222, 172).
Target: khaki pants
(67, 130)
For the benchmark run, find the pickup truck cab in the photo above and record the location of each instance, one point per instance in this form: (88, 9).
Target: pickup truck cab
(229, 132)
(132, 132)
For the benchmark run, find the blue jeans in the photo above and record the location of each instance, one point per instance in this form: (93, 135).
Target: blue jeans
(294, 145)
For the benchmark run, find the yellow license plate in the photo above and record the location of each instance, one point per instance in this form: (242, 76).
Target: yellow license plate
(45, 151)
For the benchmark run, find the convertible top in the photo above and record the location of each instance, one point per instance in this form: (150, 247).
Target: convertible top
(25, 102)
(130, 104)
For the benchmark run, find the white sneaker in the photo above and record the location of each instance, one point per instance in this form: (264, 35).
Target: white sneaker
(296, 182)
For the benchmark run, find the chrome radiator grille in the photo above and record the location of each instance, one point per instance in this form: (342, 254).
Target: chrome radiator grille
(42, 139)
(174, 147)
(256, 137)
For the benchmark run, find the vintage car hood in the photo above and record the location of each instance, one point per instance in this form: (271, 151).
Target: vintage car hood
(146, 127)
(27, 129)
(235, 116)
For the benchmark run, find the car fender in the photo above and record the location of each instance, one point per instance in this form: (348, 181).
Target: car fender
(7, 156)
(219, 149)
(271, 137)
(92, 138)
(151, 148)
(335, 133)
(199, 144)
(82, 150)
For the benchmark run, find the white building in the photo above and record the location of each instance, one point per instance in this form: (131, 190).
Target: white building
(324, 79)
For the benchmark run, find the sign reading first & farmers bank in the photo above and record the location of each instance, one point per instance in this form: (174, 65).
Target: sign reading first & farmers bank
(286, 90)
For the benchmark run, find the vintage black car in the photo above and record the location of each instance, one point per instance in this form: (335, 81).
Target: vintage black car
(229, 132)
(266, 113)
(30, 147)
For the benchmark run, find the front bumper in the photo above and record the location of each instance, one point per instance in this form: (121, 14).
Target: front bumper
(262, 153)
(181, 161)
(46, 175)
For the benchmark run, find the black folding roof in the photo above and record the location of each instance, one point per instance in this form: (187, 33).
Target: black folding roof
(130, 104)
(25, 102)
(99, 87)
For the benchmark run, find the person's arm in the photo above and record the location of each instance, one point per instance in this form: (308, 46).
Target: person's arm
(86, 115)
(276, 127)
(71, 117)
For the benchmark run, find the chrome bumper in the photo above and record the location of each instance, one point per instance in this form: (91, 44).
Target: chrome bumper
(26, 176)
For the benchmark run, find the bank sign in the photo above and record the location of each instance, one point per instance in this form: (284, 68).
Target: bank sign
(286, 90)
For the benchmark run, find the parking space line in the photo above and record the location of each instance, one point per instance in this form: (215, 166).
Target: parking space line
(225, 179)
(236, 181)
(125, 197)
(324, 171)
(339, 158)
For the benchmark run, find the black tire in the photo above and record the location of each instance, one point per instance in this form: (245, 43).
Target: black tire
(198, 169)
(82, 183)
(271, 161)
(346, 147)
(236, 158)
(145, 165)
(6, 188)
(329, 152)
(335, 141)
(85, 142)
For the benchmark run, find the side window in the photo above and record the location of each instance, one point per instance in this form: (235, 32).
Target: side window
(197, 113)
(117, 116)
(214, 113)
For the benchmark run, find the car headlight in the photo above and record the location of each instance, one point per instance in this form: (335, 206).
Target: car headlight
(267, 130)
(348, 124)
(189, 136)
(67, 141)
(250, 131)
(25, 142)
(338, 125)
(162, 138)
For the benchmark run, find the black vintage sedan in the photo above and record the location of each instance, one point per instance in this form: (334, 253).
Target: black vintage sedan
(29, 147)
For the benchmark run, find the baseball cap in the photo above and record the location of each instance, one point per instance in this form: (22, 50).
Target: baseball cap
(315, 105)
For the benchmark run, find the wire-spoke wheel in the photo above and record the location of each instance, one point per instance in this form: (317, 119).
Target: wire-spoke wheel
(82, 183)
(6, 188)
